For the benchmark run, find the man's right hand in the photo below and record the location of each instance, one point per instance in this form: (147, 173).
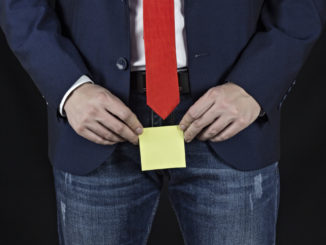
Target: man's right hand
(99, 116)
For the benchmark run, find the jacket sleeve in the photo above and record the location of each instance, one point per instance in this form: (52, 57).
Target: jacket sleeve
(268, 65)
(33, 32)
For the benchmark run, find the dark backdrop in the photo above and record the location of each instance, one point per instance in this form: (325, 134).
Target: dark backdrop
(28, 212)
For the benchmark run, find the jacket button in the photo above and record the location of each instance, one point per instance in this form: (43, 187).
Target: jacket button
(122, 63)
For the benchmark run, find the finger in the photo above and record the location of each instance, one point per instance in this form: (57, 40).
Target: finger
(117, 126)
(215, 128)
(200, 123)
(228, 132)
(196, 111)
(119, 109)
(104, 132)
(88, 134)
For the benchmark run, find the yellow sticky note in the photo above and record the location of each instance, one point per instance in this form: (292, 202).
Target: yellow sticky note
(162, 147)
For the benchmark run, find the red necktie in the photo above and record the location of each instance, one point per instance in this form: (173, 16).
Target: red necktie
(162, 88)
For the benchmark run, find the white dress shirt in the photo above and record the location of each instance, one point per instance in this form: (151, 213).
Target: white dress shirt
(137, 59)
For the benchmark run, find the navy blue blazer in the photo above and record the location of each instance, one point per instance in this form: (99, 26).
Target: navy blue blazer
(258, 44)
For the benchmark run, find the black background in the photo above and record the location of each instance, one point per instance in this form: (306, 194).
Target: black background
(28, 211)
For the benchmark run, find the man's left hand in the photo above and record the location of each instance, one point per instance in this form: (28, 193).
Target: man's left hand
(222, 112)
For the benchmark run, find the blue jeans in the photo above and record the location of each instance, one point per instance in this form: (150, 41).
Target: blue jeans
(214, 203)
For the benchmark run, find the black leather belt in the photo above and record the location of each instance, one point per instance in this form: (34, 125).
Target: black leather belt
(138, 81)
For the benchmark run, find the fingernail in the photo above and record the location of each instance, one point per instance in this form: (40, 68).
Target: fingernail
(139, 130)
(182, 127)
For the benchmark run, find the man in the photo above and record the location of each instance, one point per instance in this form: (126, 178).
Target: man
(236, 60)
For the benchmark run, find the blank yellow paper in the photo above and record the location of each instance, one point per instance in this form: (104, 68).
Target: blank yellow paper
(162, 147)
